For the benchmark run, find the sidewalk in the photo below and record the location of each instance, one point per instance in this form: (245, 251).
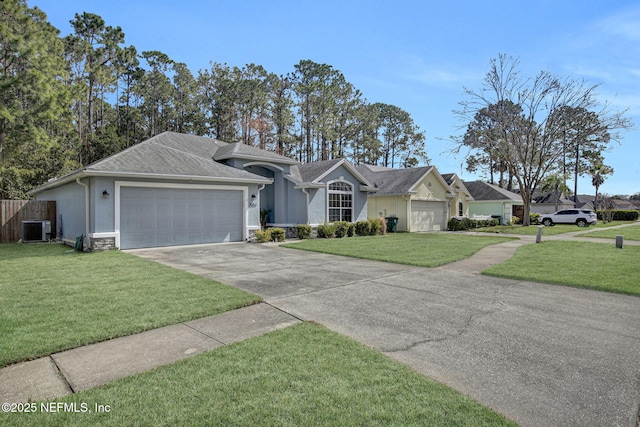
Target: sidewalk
(87, 367)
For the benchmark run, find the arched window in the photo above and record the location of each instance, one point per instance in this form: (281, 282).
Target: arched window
(340, 201)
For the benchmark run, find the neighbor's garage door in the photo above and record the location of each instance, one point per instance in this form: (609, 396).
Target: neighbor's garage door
(427, 216)
(169, 216)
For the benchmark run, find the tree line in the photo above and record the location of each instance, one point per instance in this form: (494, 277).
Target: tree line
(535, 133)
(66, 102)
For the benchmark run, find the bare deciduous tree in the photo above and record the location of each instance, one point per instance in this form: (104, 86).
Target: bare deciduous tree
(516, 120)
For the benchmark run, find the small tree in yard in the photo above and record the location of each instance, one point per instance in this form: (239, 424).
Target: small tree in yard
(517, 120)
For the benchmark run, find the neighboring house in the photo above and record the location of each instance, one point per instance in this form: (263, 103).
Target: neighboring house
(491, 200)
(550, 202)
(583, 201)
(177, 189)
(419, 197)
(622, 205)
(459, 207)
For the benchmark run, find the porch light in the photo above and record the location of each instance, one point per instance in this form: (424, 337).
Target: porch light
(105, 194)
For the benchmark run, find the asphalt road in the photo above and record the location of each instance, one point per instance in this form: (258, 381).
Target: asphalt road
(542, 355)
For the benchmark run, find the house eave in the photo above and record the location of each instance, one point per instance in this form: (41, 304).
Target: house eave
(84, 173)
(303, 185)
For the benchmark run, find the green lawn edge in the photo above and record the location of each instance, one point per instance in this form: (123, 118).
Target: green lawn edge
(422, 250)
(587, 265)
(53, 298)
(300, 375)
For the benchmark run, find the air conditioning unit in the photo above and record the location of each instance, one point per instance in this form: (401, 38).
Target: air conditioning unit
(36, 230)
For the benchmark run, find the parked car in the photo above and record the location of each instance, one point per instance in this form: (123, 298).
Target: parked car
(580, 217)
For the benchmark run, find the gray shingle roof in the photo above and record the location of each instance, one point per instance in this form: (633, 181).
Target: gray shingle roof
(172, 154)
(393, 181)
(483, 191)
(309, 172)
(244, 151)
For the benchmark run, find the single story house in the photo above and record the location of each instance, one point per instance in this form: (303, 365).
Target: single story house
(177, 189)
(491, 200)
(550, 202)
(420, 198)
(583, 201)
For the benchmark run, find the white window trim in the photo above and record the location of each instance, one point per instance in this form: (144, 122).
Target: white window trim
(341, 180)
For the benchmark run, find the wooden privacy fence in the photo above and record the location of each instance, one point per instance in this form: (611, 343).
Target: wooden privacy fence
(13, 212)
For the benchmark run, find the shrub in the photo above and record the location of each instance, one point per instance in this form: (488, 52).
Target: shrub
(456, 224)
(277, 234)
(350, 229)
(326, 230)
(263, 236)
(620, 215)
(363, 228)
(534, 218)
(303, 231)
(374, 226)
(341, 228)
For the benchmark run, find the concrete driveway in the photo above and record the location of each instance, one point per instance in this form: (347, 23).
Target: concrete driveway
(542, 355)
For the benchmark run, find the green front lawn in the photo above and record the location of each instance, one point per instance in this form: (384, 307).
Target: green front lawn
(53, 298)
(629, 233)
(303, 375)
(532, 230)
(424, 250)
(579, 264)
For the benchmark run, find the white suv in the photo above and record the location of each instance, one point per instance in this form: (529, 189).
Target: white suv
(581, 218)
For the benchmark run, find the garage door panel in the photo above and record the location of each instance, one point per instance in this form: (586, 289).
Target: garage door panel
(427, 215)
(169, 216)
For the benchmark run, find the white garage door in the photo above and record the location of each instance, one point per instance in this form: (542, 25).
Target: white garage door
(171, 216)
(427, 216)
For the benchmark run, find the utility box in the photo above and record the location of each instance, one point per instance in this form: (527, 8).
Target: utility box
(36, 230)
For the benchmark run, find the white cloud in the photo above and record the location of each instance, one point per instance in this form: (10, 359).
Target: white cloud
(624, 24)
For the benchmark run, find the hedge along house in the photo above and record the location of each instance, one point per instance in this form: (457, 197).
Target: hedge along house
(420, 197)
(177, 189)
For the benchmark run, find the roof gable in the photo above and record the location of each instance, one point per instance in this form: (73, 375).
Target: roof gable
(314, 173)
(399, 181)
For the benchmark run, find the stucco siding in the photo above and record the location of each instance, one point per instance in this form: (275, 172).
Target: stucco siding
(70, 209)
(389, 206)
(435, 191)
(317, 206)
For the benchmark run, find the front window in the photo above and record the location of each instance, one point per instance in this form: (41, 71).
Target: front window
(460, 209)
(340, 201)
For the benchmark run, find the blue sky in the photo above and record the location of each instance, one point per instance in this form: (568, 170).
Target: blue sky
(417, 55)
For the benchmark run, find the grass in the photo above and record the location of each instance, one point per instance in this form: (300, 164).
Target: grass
(300, 375)
(425, 250)
(52, 298)
(629, 233)
(547, 231)
(578, 264)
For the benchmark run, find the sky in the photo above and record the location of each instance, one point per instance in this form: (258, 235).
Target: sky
(416, 54)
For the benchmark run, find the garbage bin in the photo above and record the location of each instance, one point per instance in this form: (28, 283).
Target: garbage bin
(498, 217)
(392, 224)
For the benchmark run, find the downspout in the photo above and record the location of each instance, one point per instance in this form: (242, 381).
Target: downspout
(86, 209)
